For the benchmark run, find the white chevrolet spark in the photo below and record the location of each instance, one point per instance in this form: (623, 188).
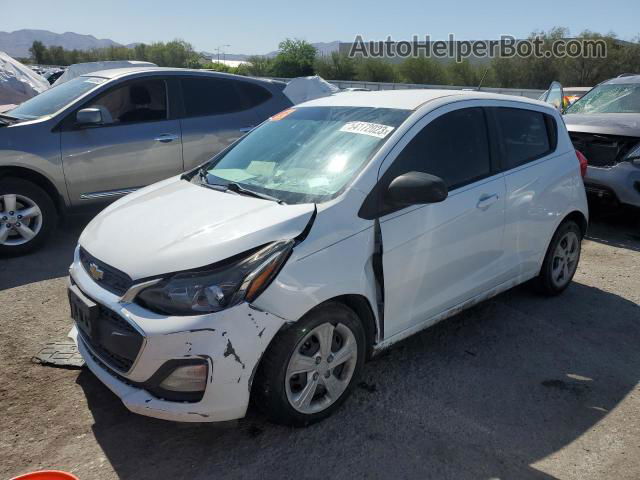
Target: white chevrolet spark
(331, 231)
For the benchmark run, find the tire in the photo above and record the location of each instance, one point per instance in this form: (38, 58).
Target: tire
(280, 393)
(556, 272)
(18, 236)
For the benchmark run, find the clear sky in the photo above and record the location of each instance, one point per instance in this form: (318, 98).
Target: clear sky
(251, 26)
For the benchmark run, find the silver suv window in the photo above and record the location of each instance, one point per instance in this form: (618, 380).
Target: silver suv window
(52, 100)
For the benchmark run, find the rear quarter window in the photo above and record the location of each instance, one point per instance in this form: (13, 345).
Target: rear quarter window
(524, 135)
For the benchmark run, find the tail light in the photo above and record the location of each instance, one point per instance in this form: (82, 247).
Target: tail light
(583, 163)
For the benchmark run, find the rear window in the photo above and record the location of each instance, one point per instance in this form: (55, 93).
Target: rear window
(254, 94)
(526, 135)
(210, 96)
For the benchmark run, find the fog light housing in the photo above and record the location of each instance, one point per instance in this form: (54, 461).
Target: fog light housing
(188, 378)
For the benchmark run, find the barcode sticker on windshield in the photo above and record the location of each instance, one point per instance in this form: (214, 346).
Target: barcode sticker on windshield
(365, 128)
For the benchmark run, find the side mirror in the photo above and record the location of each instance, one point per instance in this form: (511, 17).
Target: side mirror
(89, 116)
(416, 188)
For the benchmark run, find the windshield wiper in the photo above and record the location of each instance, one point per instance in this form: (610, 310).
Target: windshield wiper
(9, 118)
(236, 188)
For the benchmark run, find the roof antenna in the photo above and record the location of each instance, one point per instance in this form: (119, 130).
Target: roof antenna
(482, 79)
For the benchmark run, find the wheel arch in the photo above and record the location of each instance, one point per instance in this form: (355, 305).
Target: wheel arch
(37, 178)
(578, 217)
(362, 308)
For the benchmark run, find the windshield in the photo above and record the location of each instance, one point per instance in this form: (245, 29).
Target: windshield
(52, 100)
(306, 154)
(609, 98)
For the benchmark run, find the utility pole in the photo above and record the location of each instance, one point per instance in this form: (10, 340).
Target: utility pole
(221, 47)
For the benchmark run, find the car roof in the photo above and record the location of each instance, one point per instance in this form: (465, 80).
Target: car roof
(132, 71)
(409, 99)
(623, 79)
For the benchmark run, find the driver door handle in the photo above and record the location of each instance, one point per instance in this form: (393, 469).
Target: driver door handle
(166, 137)
(487, 200)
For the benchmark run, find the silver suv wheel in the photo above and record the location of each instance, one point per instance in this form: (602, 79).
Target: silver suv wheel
(20, 219)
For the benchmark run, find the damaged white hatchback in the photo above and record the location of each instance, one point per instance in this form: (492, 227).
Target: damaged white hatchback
(328, 233)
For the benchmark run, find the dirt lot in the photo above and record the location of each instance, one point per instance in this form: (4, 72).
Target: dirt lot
(519, 387)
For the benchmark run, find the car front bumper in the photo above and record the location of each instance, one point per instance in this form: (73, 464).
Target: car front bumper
(622, 181)
(231, 342)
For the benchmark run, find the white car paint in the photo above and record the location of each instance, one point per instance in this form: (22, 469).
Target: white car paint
(438, 259)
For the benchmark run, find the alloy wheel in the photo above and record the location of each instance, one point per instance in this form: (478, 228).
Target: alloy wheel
(565, 259)
(20, 219)
(321, 367)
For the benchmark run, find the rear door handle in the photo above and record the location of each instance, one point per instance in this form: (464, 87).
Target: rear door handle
(486, 201)
(246, 129)
(166, 137)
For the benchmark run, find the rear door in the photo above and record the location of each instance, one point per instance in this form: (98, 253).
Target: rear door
(137, 143)
(216, 113)
(534, 176)
(439, 255)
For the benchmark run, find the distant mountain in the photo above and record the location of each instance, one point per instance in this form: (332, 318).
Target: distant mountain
(17, 43)
(323, 48)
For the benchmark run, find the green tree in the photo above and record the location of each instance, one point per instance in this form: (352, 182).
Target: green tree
(375, 70)
(464, 74)
(38, 51)
(256, 66)
(336, 66)
(423, 70)
(294, 59)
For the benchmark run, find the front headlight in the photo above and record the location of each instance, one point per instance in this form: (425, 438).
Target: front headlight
(219, 286)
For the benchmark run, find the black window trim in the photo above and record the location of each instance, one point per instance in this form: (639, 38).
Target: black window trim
(68, 123)
(372, 207)
(551, 126)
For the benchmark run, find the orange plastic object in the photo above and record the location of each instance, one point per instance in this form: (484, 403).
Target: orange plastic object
(46, 475)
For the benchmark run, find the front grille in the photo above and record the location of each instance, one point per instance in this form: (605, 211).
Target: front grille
(110, 279)
(603, 150)
(114, 339)
(114, 360)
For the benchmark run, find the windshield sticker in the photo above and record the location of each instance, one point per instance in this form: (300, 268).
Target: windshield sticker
(365, 128)
(259, 168)
(282, 114)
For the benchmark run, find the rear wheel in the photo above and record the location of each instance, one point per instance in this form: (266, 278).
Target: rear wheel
(561, 261)
(310, 368)
(27, 216)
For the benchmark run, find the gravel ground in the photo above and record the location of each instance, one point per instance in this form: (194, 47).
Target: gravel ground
(518, 387)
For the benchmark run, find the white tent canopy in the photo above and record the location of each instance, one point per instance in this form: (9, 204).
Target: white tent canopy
(78, 69)
(18, 83)
(302, 89)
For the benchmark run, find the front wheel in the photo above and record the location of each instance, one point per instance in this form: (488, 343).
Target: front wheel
(27, 216)
(561, 261)
(311, 367)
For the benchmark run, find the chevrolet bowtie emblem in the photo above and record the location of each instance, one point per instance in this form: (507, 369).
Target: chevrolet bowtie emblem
(95, 272)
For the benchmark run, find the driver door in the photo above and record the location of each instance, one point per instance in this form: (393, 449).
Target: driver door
(135, 144)
(440, 255)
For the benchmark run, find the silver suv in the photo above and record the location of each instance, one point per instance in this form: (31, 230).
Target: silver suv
(105, 134)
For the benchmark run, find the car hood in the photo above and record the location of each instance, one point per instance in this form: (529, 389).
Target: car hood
(177, 225)
(625, 124)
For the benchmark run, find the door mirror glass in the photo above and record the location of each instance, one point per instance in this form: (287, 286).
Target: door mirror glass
(89, 116)
(416, 188)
